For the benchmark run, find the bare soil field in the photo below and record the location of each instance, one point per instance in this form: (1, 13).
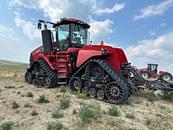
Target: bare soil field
(27, 107)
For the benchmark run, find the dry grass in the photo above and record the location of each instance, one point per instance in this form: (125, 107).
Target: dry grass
(143, 112)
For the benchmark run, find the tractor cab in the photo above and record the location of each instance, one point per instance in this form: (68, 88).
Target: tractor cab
(71, 33)
(152, 68)
(68, 33)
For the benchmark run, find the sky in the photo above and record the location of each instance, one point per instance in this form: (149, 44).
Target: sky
(143, 29)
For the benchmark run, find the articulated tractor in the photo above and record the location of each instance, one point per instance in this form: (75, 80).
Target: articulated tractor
(66, 57)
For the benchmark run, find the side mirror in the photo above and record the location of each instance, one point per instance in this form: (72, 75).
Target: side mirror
(39, 25)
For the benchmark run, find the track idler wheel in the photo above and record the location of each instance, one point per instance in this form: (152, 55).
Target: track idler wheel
(114, 93)
(28, 77)
(92, 92)
(100, 94)
(75, 84)
(48, 82)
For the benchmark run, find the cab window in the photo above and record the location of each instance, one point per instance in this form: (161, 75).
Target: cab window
(62, 36)
(153, 68)
(79, 35)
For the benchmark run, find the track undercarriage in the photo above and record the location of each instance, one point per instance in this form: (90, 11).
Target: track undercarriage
(96, 78)
(40, 74)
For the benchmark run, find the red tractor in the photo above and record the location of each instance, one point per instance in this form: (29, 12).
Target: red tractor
(152, 72)
(65, 57)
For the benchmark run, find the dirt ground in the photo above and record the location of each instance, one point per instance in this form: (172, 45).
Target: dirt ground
(139, 113)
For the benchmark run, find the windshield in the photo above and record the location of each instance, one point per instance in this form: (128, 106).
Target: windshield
(79, 34)
(62, 36)
(71, 35)
(153, 68)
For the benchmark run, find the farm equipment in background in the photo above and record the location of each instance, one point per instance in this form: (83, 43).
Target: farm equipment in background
(101, 71)
(152, 72)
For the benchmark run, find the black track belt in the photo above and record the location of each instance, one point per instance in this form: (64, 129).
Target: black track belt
(120, 81)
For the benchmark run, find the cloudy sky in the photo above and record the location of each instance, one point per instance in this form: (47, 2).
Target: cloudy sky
(144, 29)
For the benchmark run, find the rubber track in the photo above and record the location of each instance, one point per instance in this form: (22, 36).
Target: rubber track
(49, 72)
(122, 82)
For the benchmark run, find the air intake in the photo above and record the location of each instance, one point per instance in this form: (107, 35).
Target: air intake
(47, 40)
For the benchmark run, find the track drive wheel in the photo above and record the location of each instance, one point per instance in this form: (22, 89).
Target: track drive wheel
(28, 77)
(75, 84)
(95, 71)
(114, 93)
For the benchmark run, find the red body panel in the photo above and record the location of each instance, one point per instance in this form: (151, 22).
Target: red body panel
(115, 56)
(50, 58)
(84, 55)
(162, 73)
(71, 50)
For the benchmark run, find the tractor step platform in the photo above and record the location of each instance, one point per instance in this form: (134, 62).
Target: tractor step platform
(62, 83)
(62, 66)
(62, 77)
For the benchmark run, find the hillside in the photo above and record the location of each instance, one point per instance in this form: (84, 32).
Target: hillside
(27, 107)
(12, 66)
